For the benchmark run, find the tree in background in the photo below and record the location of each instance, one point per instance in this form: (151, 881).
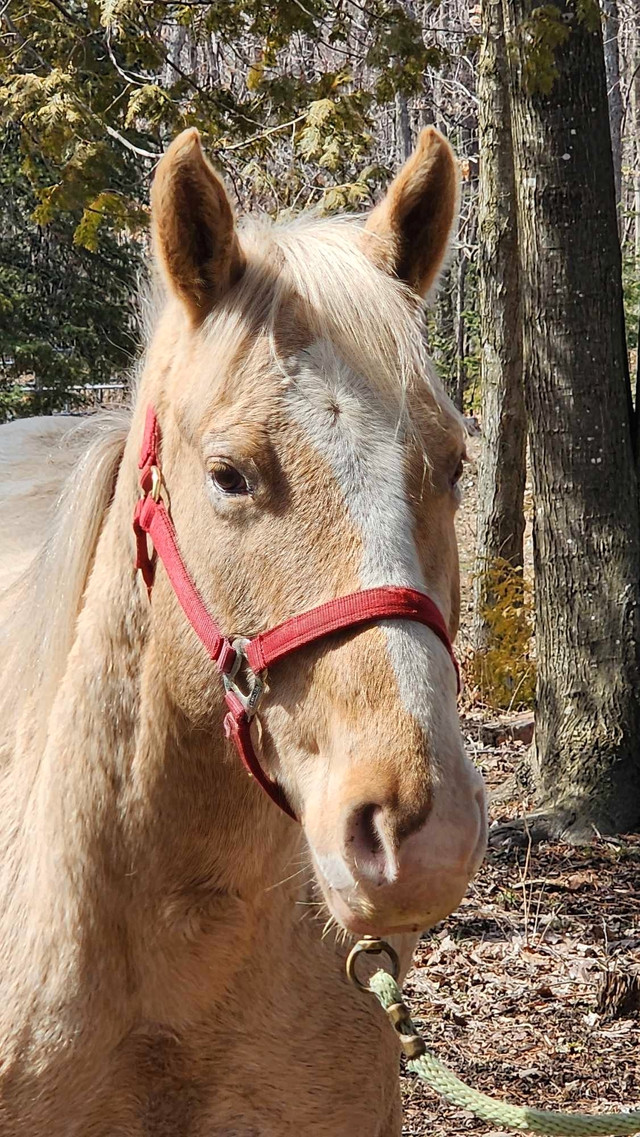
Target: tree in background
(299, 104)
(611, 31)
(70, 219)
(66, 315)
(284, 95)
(500, 660)
(586, 759)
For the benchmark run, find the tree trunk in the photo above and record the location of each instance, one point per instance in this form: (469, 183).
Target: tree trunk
(634, 98)
(404, 144)
(442, 345)
(461, 369)
(614, 92)
(501, 478)
(586, 543)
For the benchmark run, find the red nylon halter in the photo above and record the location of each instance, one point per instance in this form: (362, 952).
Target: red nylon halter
(356, 610)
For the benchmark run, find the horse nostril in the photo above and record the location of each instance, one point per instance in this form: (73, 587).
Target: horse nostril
(363, 829)
(365, 845)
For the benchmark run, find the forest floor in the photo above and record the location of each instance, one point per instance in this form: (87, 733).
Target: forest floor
(521, 991)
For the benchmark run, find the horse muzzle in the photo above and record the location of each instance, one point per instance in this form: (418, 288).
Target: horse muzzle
(387, 876)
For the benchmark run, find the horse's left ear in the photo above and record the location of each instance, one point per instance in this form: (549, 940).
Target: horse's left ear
(412, 223)
(194, 230)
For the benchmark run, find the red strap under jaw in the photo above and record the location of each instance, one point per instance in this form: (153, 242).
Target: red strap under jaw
(354, 611)
(237, 727)
(151, 518)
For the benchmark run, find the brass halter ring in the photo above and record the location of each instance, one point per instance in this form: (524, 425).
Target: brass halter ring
(371, 946)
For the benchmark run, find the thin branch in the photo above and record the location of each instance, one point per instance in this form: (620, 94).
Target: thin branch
(263, 134)
(628, 98)
(115, 134)
(140, 80)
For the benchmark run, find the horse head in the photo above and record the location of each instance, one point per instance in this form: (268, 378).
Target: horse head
(309, 452)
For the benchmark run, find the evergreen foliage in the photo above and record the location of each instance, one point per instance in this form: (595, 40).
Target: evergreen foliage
(91, 93)
(65, 310)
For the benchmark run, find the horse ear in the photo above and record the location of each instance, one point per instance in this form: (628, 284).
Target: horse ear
(193, 226)
(412, 223)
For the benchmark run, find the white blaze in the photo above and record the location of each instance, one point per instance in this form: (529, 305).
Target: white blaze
(347, 423)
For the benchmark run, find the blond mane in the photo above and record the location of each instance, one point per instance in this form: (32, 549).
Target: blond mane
(42, 606)
(375, 322)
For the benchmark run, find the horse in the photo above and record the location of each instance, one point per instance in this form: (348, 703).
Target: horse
(172, 943)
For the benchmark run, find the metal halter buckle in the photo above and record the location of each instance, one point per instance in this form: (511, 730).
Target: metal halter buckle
(256, 683)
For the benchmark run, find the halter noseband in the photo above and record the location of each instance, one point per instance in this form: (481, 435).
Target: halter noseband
(356, 610)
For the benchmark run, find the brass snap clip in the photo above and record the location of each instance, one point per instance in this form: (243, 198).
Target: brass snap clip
(412, 1045)
(371, 946)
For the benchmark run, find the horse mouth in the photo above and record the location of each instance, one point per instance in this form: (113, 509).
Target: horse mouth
(391, 910)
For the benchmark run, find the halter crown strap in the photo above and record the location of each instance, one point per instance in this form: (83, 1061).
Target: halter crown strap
(151, 520)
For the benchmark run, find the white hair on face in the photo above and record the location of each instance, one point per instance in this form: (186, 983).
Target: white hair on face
(357, 437)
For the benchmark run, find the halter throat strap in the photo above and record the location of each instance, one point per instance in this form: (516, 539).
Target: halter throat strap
(152, 522)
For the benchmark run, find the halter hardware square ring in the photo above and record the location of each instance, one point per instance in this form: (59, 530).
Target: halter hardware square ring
(256, 683)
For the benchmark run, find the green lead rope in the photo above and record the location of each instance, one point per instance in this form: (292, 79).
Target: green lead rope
(500, 1113)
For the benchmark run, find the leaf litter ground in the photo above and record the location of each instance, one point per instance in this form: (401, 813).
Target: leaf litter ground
(521, 991)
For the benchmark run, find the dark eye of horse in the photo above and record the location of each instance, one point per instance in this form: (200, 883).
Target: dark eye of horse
(229, 480)
(458, 472)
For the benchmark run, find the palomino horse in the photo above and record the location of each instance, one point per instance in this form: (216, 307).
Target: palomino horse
(164, 968)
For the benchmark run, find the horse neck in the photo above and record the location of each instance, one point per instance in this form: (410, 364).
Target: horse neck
(144, 852)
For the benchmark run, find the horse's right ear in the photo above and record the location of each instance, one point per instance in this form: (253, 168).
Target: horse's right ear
(194, 233)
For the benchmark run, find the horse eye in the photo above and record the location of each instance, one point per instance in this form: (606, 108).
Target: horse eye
(458, 472)
(229, 480)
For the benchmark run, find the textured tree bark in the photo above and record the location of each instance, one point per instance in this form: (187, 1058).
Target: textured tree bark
(443, 347)
(461, 369)
(501, 476)
(634, 96)
(614, 92)
(586, 761)
(404, 143)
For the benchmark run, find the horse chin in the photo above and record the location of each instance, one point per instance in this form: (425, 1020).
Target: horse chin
(390, 913)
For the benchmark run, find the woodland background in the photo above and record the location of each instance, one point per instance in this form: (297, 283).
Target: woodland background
(300, 104)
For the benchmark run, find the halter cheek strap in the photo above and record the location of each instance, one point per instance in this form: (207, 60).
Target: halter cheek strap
(254, 656)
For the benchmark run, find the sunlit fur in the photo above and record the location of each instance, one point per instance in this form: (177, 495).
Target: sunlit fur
(164, 968)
